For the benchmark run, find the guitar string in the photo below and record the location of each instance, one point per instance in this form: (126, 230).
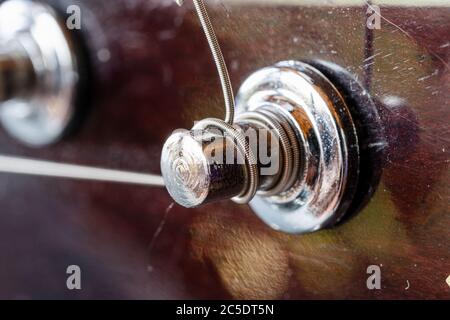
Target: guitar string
(368, 51)
(23, 166)
(218, 57)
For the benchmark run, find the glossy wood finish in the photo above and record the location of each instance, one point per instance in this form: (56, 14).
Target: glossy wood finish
(132, 242)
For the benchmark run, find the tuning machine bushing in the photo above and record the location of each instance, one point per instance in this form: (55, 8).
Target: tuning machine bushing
(39, 72)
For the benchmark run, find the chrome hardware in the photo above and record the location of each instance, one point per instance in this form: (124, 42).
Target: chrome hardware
(327, 137)
(318, 147)
(38, 73)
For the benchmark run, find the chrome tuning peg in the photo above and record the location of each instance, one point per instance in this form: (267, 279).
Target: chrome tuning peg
(38, 73)
(301, 184)
(315, 152)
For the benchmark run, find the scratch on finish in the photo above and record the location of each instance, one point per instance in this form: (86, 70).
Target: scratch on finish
(160, 227)
(408, 35)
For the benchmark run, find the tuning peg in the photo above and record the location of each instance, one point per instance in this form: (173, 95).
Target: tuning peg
(38, 73)
(318, 152)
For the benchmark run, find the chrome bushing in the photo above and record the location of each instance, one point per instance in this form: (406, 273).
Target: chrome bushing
(41, 106)
(327, 136)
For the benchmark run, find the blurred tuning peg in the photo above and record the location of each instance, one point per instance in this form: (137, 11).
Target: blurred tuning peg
(38, 73)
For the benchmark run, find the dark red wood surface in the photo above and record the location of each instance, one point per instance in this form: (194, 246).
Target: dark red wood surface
(132, 242)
